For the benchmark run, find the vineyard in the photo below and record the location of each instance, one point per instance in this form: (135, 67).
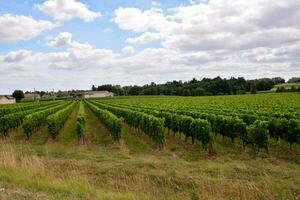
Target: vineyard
(232, 147)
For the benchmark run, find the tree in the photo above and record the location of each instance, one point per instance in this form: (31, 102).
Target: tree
(135, 90)
(42, 93)
(199, 91)
(294, 80)
(94, 88)
(186, 92)
(18, 94)
(253, 87)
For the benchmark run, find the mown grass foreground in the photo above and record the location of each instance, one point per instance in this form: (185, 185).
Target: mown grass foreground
(134, 168)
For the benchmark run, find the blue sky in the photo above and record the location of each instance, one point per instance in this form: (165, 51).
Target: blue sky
(92, 32)
(66, 44)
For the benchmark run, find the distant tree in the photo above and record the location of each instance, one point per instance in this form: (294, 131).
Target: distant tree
(149, 90)
(253, 87)
(135, 90)
(186, 92)
(293, 89)
(42, 93)
(193, 81)
(199, 91)
(281, 89)
(278, 80)
(94, 88)
(18, 94)
(207, 86)
(294, 80)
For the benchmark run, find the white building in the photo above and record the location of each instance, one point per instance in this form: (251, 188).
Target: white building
(97, 94)
(6, 99)
(31, 96)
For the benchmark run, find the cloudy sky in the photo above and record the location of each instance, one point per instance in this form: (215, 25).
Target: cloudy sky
(65, 44)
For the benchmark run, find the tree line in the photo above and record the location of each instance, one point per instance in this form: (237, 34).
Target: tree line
(194, 87)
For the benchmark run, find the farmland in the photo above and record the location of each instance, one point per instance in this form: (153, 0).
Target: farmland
(215, 147)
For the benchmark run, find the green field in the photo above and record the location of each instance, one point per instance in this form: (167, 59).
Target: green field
(136, 148)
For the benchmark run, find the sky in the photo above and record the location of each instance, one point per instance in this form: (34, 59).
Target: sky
(74, 44)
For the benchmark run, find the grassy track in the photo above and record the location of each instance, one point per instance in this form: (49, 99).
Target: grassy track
(67, 134)
(135, 142)
(96, 133)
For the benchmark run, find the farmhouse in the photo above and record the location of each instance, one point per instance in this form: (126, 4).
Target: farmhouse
(97, 94)
(31, 96)
(6, 99)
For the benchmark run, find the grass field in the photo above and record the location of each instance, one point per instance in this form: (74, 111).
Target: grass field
(134, 168)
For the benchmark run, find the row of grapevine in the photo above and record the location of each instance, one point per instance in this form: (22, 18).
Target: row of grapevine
(267, 105)
(57, 120)
(288, 130)
(231, 127)
(111, 121)
(17, 108)
(14, 120)
(199, 129)
(149, 124)
(80, 121)
(37, 119)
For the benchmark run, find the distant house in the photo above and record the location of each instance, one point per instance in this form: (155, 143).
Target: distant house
(97, 94)
(7, 99)
(48, 96)
(29, 96)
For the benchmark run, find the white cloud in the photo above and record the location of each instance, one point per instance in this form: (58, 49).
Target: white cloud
(218, 24)
(17, 56)
(137, 20)
(63, 39)
(144, 38)
(14, 28)
(82, 65)
(67, 9)
(128, 50)
(253, 39)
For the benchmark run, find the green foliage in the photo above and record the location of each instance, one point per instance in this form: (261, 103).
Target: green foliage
(80, 122)
(18, 94)
(152, 126)
(111, 121)
(258, 135)
(194, 87)
(20, 107)
(294, 80)
(228, 116)
(15, 119)
(57, 120)
(201, 130)
(37, 119)
(293, 134)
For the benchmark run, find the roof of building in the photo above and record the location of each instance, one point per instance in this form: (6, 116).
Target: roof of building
(97, 92)
(7, 96)
(31, 95)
